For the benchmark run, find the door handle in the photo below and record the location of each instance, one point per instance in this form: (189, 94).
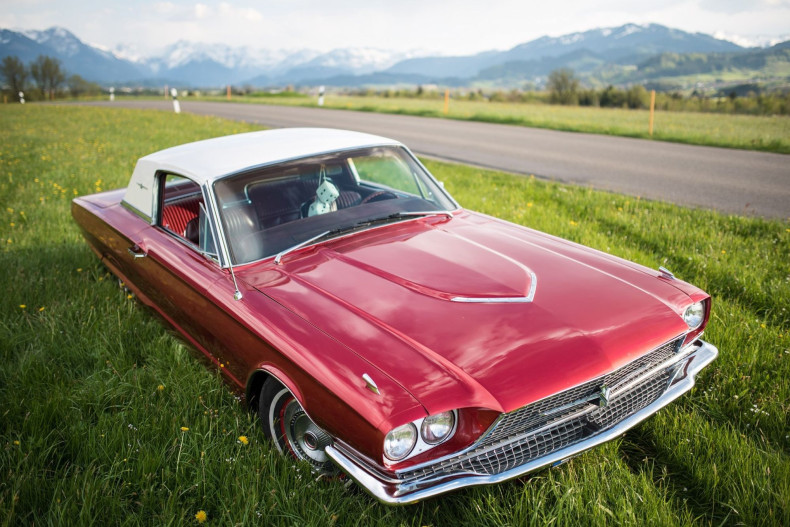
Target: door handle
(137, 252)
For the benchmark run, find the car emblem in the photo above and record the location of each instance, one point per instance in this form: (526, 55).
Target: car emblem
(603, 396)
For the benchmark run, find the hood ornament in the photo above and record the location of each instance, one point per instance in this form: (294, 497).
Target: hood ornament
(666, 272)
(370, 385)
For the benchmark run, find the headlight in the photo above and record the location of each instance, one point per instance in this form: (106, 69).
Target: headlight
(400, 441)
(436, 428)
(694, 315)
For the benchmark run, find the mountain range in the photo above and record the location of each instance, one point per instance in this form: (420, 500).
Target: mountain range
(616, 54)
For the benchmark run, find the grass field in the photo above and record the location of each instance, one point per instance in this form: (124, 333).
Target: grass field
(771, 134)
(108, 419)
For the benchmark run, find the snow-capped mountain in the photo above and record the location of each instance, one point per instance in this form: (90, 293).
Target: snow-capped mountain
(752, 41)
(626, 44)
(193, 64)
(190, 63)
(76, 57)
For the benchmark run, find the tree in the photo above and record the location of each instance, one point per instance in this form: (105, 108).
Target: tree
(15, 74)
(79, 86)
(563, 87)
(47, 74)
(637, 97)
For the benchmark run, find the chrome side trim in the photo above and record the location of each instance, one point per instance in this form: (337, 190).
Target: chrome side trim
(134, 210)
(533, 284)
(393, 493)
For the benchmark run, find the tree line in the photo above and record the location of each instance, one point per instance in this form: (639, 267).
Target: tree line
(49, 78)
(564, 88)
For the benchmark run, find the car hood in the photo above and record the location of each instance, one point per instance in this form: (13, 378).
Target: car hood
(443, 307)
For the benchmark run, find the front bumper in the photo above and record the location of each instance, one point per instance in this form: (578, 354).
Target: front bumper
(392, 490)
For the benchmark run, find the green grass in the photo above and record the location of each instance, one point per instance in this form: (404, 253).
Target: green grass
(87, 436)
(771, 134)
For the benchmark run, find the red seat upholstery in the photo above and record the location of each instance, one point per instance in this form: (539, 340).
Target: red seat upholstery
(177, 214)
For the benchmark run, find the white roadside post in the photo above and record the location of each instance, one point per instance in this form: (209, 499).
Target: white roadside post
(112, 94)
(321, 90)
(22, 97)
(176, 106)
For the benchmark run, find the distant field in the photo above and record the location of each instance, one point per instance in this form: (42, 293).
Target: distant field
(771, 134)
(94, 391)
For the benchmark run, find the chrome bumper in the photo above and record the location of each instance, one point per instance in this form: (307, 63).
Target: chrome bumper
(395, 492)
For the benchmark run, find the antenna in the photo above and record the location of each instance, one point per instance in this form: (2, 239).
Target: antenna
(237, 295)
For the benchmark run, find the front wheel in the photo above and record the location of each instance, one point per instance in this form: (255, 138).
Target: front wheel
(285, 422)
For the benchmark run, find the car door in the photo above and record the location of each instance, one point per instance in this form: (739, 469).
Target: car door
(178, 272)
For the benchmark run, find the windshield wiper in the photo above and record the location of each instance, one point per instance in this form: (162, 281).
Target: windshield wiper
(326, 234)
(342, 230)
(298, 246)
(399, 215)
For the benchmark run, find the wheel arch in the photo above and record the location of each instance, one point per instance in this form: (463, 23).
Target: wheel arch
(260, 375)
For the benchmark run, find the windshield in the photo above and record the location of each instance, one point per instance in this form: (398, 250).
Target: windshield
(268, 210)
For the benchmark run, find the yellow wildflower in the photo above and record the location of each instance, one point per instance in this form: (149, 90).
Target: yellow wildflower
(201, 516)
(129, 296)
(160, 387)
(184, 429)
(41, 309)
(723, 251)
(13, 224)
(529, 204)
(243, 440)
(573, 223)
(762, 326)
(22, 306)
(16, 442)
(79, 269)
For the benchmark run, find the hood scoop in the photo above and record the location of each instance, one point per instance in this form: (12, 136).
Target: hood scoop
(474, 273)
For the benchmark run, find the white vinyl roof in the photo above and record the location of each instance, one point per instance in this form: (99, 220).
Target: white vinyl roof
(205, 161)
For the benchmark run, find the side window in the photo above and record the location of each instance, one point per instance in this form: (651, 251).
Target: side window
(386, 169)
(205, 236)
(183, 212)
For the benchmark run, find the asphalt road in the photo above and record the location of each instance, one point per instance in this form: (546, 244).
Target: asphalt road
(728, 180)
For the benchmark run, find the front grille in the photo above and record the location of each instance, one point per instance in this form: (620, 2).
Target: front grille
(558, 421)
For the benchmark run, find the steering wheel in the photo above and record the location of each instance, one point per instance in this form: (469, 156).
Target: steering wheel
(381, 195)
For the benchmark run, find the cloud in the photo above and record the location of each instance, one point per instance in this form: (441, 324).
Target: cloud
(202, 11)
(247, 13)
(742, 6)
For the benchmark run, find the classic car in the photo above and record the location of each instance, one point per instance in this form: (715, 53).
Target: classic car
(380, 330)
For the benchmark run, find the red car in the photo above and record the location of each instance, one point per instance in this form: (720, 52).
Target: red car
(380, 329)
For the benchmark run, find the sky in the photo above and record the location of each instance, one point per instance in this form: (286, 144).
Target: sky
(443, 26)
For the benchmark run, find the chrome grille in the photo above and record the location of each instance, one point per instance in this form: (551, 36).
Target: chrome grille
(510, 444)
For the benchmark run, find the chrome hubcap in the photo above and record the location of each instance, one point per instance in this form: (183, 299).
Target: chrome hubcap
(300, 436)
